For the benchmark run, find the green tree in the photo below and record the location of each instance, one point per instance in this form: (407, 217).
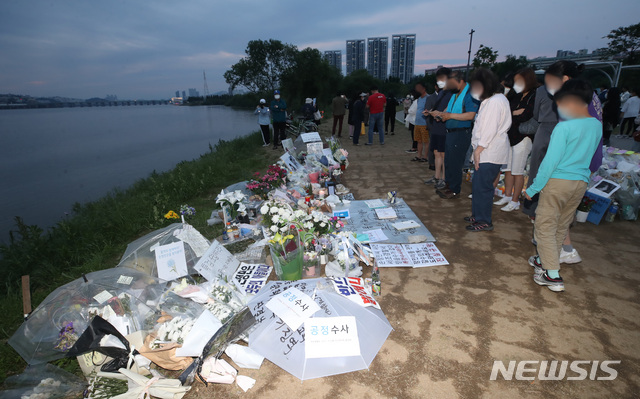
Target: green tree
(357, 82)
(510, 64)
(262, 68)
(485, 57)
(625, 41)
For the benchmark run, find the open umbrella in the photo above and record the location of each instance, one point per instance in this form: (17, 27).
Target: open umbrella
(285, 346)
(118, 295)
(140, 254)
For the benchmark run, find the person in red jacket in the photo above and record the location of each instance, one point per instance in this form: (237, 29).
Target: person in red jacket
(376, 104)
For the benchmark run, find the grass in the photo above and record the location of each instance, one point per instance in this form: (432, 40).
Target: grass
(97, 234)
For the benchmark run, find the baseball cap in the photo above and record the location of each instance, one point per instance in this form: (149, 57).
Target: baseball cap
(263, 101)
(276, 92)
(363, 94)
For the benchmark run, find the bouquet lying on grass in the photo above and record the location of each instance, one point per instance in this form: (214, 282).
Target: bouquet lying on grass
(275, 177)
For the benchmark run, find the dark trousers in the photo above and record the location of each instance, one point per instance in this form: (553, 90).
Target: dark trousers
(266, 134)
(337, 119)
(389, 117)
(627, 126)
(457, 144)
(482, 184)
(279, 132)
(414, 146)
(357, 129)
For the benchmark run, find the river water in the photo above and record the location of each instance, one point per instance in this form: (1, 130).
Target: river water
(53, 158)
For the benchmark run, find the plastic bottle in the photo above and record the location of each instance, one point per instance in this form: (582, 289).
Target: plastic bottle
(225, 236)
(230, 231)
(376, 287)
(612, 212)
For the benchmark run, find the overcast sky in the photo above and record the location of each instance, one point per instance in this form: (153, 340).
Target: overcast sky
(150, 49)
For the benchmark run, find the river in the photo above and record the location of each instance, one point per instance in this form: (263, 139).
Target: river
(53, 158)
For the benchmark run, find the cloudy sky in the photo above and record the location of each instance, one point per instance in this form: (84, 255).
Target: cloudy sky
(149, 49)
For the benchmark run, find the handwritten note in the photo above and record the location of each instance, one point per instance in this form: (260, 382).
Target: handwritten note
(408, 255)
(331, 337)
(376, 203)
(171, 261)
(376, 235)
(251, 278)
(293, 307)
(217, 263)
(386, 213)
(310, 137)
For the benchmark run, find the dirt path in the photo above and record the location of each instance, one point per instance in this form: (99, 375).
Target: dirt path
(452, 322)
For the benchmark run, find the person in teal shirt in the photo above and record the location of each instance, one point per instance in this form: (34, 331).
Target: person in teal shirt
(562, 178)
(279, 118)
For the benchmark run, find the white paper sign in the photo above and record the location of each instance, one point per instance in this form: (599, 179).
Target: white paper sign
(291, 164)
(203, 329)
(103, 297)
(126, 280)
(376, 203)
(171, 261)
(251, 278)
(293, 307)
(314, 148)
(331, 337)
(353, 289)
(217, 263)
(408, 255)
(386, 213)
(310, 137)
(376, 235)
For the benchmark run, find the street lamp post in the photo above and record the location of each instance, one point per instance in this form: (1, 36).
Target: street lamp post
(469, 56)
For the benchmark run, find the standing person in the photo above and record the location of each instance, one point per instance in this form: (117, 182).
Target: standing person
(437, 128)
(308, 110)
(629, 112)
(420, 132)
(278, 111)
(610, 114)
(525, 85)
(358, 117)
(375, 105)
(555, 76)
(604, 91)
(338, 108)
(459, 116)
(264, 117)
(625, 95)
(562, 178)
(390, 114)
(490, 145)
(406, 104)
(352, 100)
(409, 121)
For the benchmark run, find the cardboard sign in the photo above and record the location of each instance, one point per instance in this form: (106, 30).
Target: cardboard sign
(310, 137)
(251, 278)
(599, 208)
(171, 261)
(293, 307)
(217, 263)
(408, 255)
(386, 213)
(331, 337)
(353, 289)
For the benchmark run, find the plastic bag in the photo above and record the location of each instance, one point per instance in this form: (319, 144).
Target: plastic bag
(44, 381)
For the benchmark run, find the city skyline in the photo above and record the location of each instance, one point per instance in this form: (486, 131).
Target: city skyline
(403, 55)
(378, 57)
(82, 49)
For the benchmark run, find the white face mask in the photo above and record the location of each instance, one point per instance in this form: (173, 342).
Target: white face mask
(277, 96)
(518, 88)
(475, 96)
(441, 84)
(552, 91)
(506, 90)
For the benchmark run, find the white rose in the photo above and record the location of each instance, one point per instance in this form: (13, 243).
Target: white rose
(275, 219)
(274, 229)
(323, 224)
(274, 210)
(264, 209)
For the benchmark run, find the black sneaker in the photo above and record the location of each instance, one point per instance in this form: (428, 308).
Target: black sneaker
(554, 284)
(411, 151)
(476, 227)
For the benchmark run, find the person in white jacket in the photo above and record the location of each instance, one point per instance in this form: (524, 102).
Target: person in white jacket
(490, 143)
(409, 121)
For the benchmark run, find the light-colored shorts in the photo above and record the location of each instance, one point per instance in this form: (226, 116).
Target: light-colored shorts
(518, 156)
(421, 134)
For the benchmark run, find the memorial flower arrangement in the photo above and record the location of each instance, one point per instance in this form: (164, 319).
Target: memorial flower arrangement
(101, 387)
(278, 217)
(171, 215)
(287, 254)
(585, 204)
(232, 201)
(275, 177)
(66, 338)
(187, 211)
(174, 330)
(342, 157)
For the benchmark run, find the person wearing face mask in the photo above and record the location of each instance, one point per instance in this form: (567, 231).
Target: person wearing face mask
(458, 119)
(545, 113)
(507, 83)
(490, 143)
(562, 178)
(263, 120)
(279, 117)
(522, 103)
(437, 128)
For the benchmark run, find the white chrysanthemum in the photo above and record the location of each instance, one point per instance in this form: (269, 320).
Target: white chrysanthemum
(274, 210)
(274, 228)
(264, 209)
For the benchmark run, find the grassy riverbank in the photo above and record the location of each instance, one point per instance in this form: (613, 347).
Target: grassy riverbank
(97, 233)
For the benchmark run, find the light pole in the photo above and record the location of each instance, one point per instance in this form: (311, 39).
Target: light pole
(469, 56)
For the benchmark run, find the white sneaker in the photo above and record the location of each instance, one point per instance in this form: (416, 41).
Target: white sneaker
(502, 201)
(511, 206)
(570, 257)
(470, 196)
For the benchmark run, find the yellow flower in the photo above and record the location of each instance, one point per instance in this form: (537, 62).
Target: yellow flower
(171, 215)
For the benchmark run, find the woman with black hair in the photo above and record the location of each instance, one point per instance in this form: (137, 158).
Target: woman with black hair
(610, 113)
(490, 145)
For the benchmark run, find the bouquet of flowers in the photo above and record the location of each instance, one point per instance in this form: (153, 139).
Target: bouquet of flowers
(232, 203)
(275, 177)
(287, 254)
(278, 217)
(171, 215)
(173, 331)
(188, 211)
(586, 204)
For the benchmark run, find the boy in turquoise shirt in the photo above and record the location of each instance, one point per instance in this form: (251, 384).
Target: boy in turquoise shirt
(562, 178)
